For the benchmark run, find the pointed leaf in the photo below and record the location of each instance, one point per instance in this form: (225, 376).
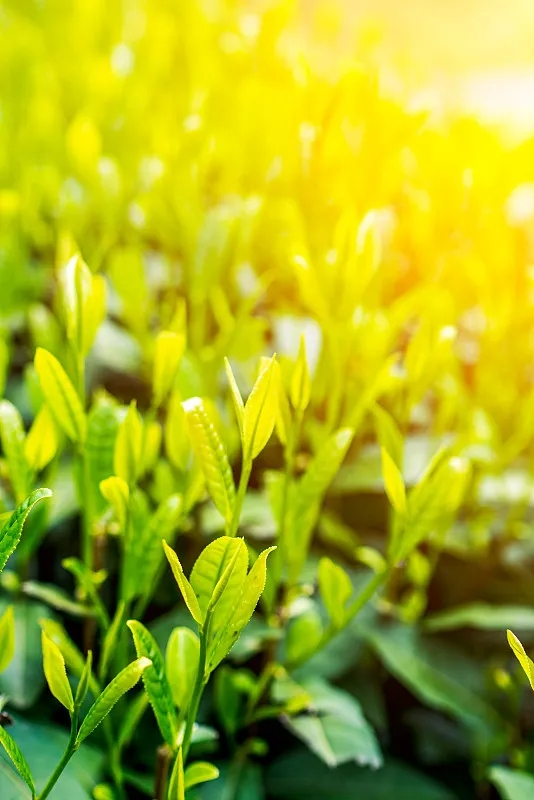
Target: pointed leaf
(237, 400)
(300, 380)
(393, 482)
(336, 589)
(122, 683)
(42, 441)
(13, 438)
(169, 349)
(185, 587)
(200, 772)
(181, 664)
(7, 637)
(12, 530)
(260, 411)
(60, 395)
(56, 674)
(17, 758)
(155, 682)
(520, 654)
(211, 456)
(129, 446)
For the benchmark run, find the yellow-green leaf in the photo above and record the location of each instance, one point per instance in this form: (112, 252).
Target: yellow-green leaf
(7, 637)
(181, 664)
(335, 588)
(84, 302)
(41, 442)
(260, 411)
(211, 456)
(56, 674)
(117, 493)
(185, 587)
(393, 483)
(61, 396)
(519, 652)
(177, 445)
(300, 380)
(239, 406)
(13, 437)
(128, 454)
(17, 759)
(169, 349)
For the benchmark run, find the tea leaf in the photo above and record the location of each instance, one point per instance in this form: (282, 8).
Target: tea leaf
(41, 442)
(129, 446)
(7, 637)
(260, 411)
(11, 532)
(237, 400)
(335, 588)
(55, 673)
(117, 493)
(177, 443)
(60, 395)
(185, 587)
(211, 456)
(393, 483)
(169, 349)
(177, 782)
(13, 440)
(300, 380)
(181, 664)
(122, 683)
(199, 772)
(210, 567)
(85, 681)
(17, 758)
(519, 652)
(84, 300)
(155, 682)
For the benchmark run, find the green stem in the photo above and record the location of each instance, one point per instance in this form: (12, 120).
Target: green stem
(67, 755)
(246, 469)
(200, 683)
(355, 607)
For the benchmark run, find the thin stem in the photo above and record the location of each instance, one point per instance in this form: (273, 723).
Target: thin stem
(355, 607)
(200, 683)
(163, 761)
(67, 755)
(246, 469)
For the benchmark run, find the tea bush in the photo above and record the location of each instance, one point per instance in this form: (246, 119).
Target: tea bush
(266, 329)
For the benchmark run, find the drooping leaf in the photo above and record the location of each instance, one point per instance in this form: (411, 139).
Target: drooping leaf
(155, 681)
(181, 664)
(211, 456)
(61, 396)
(122, 683)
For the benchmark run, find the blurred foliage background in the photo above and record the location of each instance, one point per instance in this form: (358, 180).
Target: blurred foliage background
(362, 173)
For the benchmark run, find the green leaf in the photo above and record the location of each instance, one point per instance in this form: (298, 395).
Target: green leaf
(56, 598)
(211, 456)
(210, 566)
(7, 637)
(84, 302)
(513, 784)
(185, 587)
(19, 762)
(237, 400)
(304, 634)
(117, 493)
(335, 588)
(200, 772)
(181, 664)
(122, 683)
(85, 681)
(301, 776)
(483, 616)
(56, 674)
(129, 446)
(260, 411)
(222, 640)
(42, 440)
(73, 657)
(155, 682)
(177, 444)
(177, 782)
(143, 554)
(60, 395)
(102, 427)
(111, 638)
(13, 439)
(519, 652)
(300, 380)
(11, 532)
(169, 349)
(437, 676)
(393, 483)
(336, 731)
